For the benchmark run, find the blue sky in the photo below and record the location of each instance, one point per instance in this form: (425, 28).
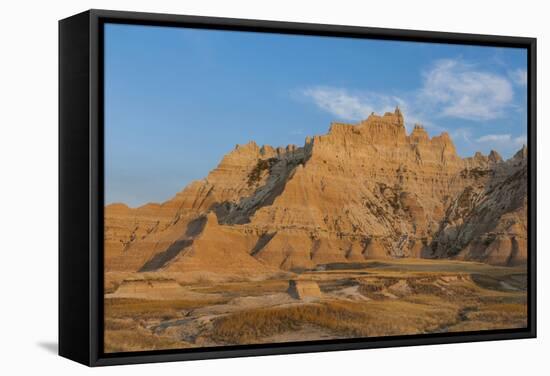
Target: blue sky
(177, 100)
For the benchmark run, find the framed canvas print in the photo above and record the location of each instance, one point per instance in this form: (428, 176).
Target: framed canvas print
(239, 187)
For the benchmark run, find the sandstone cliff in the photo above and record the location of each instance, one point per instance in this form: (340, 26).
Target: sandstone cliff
(368, 190)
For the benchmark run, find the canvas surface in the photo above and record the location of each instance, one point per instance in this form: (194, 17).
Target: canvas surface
(267, 188)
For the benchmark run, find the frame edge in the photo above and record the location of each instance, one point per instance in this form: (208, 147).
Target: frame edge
(74, 248)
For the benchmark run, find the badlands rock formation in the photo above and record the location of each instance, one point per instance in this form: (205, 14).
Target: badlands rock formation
(362, 191)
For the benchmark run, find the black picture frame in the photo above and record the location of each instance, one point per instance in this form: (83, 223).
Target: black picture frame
(81, 185)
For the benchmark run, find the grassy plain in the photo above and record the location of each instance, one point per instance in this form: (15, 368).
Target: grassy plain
(370, 299)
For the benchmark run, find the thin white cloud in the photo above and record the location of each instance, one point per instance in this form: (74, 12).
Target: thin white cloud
(495, 138)
(348, 105)
(505, 143)
(452, 88)
(519, 76)
(456, 89)
(358, 105)
(464, 134)
(503, 139)
(521, 140)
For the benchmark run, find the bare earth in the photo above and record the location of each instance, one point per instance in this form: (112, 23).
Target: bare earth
(368, 299)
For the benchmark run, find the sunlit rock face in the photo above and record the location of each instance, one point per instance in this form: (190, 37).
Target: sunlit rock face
(361, 191)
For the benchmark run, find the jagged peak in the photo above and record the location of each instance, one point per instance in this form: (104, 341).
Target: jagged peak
(494, 157)
(386, 129)
(248, 145)
(396, 112)
(390, 118)
(419, 134)
(399, 115)
(250, 150)
(479, 155)
(521, 153)
(443, 138)
(445, 143)
(267, 150)
(336, 126)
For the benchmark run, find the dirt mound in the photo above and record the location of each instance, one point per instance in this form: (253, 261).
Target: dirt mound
(304, 290)
(153, 289)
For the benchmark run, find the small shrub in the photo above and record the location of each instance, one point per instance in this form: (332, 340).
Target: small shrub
(261, 166)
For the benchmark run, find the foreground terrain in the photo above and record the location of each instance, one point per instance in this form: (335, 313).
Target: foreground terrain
(150, 311)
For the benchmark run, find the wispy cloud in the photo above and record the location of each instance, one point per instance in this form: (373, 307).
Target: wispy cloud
(494, 138)
(503, 140)
(521, 140)
(348, 105)
(451, 88)
(458, 90)
(358, 105)
(518, 76)
(464, 134)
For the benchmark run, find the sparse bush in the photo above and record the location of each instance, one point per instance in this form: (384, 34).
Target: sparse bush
(138, 339)
(343, 318)
(262, 165)
(151, 309)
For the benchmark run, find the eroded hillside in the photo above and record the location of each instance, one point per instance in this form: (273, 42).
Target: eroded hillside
(362, 191)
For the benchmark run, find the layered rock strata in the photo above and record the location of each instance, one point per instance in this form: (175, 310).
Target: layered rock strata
(362, 191)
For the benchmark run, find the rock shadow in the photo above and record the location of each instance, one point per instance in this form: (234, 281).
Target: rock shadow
(194, 228)
(279, 174)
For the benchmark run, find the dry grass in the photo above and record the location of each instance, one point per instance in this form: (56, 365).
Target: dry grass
(138, 339)
(152, 309)
(493, 316)
(125, 320)
(346, 319)
(246, 288)
(430, 303)
(438, 296)
(500, 313)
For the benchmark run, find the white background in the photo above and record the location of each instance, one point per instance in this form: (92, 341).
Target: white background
(28, 186)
